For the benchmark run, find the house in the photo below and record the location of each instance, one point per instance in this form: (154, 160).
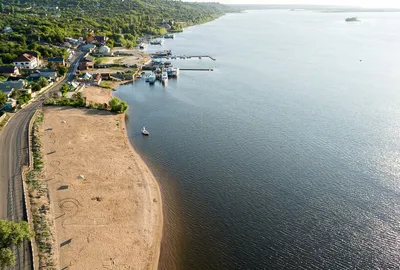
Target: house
(101, 39)
(105, 50)
(10, 104)
(97, 79)
(7, 29)
(47, 73)
(89, 39)
(8, 71)
(9, 86)
(26, 61)
(56, 61)
(88, 47)
(35, 54)
(86, 64)
(166, 26)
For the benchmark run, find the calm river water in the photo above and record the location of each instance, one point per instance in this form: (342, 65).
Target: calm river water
(287, 155)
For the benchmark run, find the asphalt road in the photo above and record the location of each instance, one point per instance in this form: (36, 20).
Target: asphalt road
(13, 157)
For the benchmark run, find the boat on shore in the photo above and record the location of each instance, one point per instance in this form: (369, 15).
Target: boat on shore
(352, 19)
(145, 132)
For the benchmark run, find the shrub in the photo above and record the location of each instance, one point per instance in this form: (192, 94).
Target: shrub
(24, 98)
(43, 82)
(65, 101)
(61, 70)
(35, 87)
(64, 89)
(50, 101)
(118, 106)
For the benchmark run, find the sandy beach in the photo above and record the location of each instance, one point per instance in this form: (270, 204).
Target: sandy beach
(106, 202)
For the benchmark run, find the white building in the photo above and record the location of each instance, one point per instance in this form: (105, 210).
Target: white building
(26, 61)
(104, 50)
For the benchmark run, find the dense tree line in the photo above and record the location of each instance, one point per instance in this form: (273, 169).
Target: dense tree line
(36, 23)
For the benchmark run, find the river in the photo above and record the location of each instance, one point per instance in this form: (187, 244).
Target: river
(287, 155)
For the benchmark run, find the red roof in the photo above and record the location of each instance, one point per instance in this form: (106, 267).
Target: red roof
(25, 58)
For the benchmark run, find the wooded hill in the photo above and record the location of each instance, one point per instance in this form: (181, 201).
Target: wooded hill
(35, 22)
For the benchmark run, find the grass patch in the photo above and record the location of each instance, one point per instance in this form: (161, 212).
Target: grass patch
(117, 68)
(38, 194)
(100, 60)
(117, 61)
(4, 122)
(106, 85)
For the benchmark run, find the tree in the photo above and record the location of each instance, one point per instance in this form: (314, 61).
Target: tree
(61, 70)
(118, 106)
(43, 82)
(35, 87)
(64, 89)
(24, 98)
(12, 233)
(3, 99)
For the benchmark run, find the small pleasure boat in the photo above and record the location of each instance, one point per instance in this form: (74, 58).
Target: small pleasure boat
(145, 132)
(164, 78)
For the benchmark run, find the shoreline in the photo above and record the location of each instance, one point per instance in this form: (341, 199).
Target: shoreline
(160, 225)
(156, 258)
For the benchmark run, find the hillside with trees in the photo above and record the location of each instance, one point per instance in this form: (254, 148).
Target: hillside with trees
(37, 23)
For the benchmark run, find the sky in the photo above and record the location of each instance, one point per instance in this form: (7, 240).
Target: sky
(359, 3)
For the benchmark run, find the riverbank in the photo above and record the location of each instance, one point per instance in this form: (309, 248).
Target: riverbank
(107, 204)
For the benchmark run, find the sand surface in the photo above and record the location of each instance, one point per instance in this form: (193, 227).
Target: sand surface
(112, 218)
(96, 94)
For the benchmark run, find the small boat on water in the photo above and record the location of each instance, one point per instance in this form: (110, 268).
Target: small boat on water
(157, 42)
(145, 132)
(151, 78)
(142, 46)
(173, 72)
(164, 78)
(352, 19)
(169, 36)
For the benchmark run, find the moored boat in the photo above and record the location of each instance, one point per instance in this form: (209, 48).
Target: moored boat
(164, 78)
(172, 72)
(157, 42)
(145, 132)
(151, 78)
(169, 36)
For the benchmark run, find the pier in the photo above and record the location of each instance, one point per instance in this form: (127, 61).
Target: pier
(197, 69)
(160, 55)
(191, 56)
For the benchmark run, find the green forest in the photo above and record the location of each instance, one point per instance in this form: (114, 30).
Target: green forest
(37, 23)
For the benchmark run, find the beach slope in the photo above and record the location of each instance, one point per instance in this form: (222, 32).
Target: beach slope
(106, 202)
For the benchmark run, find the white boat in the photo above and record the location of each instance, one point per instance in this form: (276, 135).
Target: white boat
(164, 78)
(173, 72)
(157, 42)
(145, 132)
(151, 78)
(142, 46)
(169, 36)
